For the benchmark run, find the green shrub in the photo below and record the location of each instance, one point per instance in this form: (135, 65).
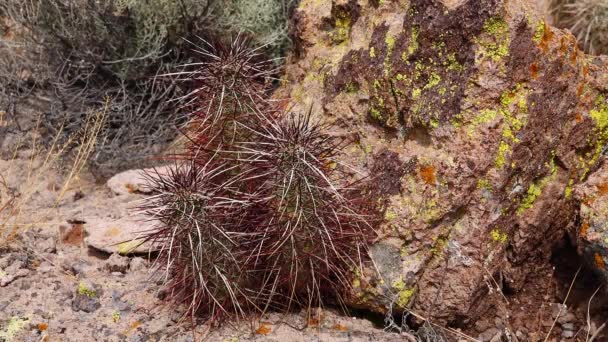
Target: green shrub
(93, 50)
(266, 20)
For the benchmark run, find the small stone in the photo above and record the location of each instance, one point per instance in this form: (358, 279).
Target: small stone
(80, 268)
(566, 318)
(568, 326)
(45, 267)
(48, 245)
(497, 337)
(138, 264)
(488, 335)
(567, 333)
(85, 303)
(117, 263)
(9, 278)
(86, 297)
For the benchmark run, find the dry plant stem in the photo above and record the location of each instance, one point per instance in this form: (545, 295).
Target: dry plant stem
(563, 304)
(589, 314)
(449, 330)
(598, 331)
(14, 223)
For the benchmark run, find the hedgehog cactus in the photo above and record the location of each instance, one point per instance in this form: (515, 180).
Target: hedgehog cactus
(587, 20)
(258, 213)
(314, 231)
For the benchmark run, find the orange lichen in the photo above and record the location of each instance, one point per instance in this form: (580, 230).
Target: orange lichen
(579, 89)
(585, 71)
(602, 189)
(574, 55)
(264, 329)
(132, 327)
(599, 261)
(534, 70)
(578, 117)
(584, 228)
(112, 232)
(547, 36)
(427, 173)
(131, 188)
(42, 326)
(340, 327)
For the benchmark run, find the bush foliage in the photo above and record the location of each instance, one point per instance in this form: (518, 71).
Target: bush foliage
(84, 52)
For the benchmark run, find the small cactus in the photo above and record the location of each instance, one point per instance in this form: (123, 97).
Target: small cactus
(587, 20)
(258, 212)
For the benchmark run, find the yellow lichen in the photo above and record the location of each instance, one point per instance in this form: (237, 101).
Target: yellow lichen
(495, 43)
(539, 32)
(14, 325)
(115, 316)
(434, 80)
(390, 215)
(503, 150)
(85, 291)
(498, 236)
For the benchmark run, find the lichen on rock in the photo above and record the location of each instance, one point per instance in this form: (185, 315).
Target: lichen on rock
(504, 118)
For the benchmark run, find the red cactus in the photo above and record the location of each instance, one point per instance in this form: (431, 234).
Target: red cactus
(315, 229)
(200, 214)
(261, 213)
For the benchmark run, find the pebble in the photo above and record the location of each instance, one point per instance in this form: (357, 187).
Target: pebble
(567, 333)
(568, 326)
(87, 302)
(9, 278)
(117, 264)
(488, 335)
(138, 264)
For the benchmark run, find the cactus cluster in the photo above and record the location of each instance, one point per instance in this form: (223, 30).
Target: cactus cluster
(587, 20)
(258, 212)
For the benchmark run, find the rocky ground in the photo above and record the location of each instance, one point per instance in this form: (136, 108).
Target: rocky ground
(67, 277)
(55, 286)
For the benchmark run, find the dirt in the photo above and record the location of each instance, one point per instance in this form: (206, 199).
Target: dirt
(53, 287)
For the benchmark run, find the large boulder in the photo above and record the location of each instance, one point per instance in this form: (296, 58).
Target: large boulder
(481, 120)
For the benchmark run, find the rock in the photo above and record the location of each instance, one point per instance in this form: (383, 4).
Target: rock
(592, 235)
(48, 245)
(80, 268)
(117, 263)
(45, 267)
(497, 337)
(122, 236)
(488, 335)
(74, 234)
(138, 264)
(568, 326)
(86, 297)
(9, 278)
(566, 318)
(134, 181)
(567, 333)
(500, 116)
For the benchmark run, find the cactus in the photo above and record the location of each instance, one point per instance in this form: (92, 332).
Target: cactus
(587, 20)
(259, 194)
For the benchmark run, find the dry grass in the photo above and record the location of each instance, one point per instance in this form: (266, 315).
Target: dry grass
(16, 213)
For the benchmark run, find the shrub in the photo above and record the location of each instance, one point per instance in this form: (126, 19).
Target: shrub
(92, 50)
(266, 20)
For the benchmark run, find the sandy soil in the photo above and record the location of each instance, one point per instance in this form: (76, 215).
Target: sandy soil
(53, 287)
